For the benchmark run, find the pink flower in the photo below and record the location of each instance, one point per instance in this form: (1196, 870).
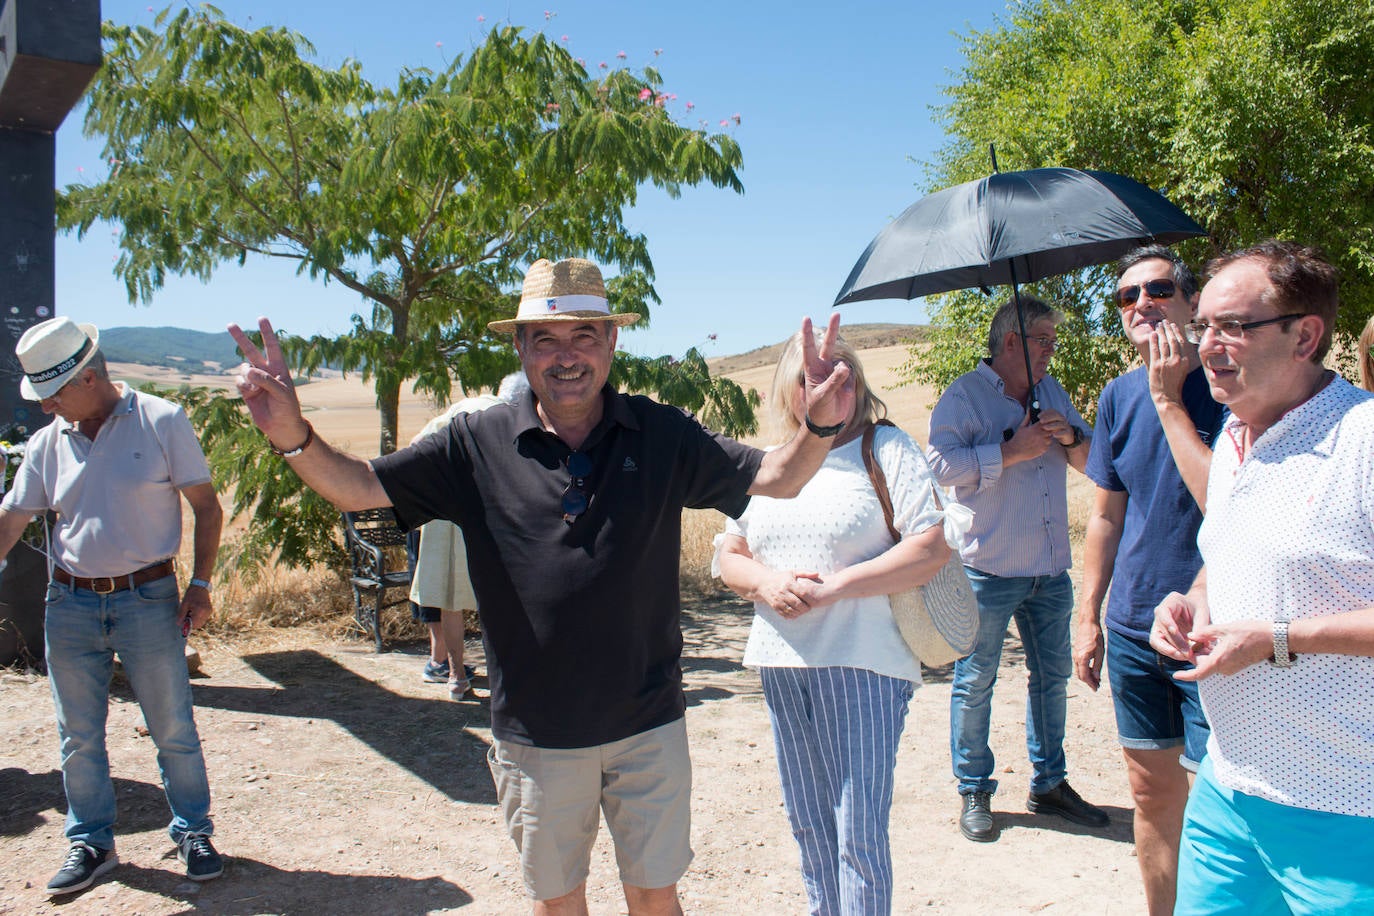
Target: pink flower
(724, 123)
(548, 15)
(438, 44)
(552, 106)
(620, 54)
(481, 18)
(710, 337)
(661, 101)
(602, 65)
(735, 118)
(657, 51)
(565, 38)
(691, 105)
(645, 94)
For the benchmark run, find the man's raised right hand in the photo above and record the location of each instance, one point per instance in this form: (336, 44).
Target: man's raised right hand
(265, 383)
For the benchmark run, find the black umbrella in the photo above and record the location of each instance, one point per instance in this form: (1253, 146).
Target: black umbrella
(1013, 227)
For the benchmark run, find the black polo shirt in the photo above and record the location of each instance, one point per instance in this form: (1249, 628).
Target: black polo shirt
(581, 621)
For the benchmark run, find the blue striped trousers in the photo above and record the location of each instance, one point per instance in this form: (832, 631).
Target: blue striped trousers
(836, 732)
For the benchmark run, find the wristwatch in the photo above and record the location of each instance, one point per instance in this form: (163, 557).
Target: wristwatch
(1077, 438)
(203, 583)
(1282, 658)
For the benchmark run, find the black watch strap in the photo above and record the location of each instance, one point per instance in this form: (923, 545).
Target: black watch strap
(824, 432)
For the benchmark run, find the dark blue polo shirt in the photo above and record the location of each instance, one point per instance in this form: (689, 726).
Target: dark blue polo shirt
(581, 621)
(1158, 551)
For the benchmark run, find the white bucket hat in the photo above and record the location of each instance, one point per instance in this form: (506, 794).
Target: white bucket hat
(571, 290)
(52, 353)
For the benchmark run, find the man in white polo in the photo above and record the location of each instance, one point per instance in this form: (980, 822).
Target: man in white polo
(1280, 621)
(114, 465)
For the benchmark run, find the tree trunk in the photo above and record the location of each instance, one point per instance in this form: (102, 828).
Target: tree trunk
(389, 400)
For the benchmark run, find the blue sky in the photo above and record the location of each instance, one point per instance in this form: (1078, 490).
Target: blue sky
(835, 122)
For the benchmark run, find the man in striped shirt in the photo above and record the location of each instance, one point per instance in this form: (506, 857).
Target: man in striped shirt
(1012, 473)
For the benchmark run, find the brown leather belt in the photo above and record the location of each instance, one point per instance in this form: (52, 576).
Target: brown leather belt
(104, 585)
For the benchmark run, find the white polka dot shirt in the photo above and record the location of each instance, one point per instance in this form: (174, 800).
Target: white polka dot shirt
(1289, 533)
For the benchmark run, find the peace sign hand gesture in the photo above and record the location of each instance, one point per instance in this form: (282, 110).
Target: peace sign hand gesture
(265, 383)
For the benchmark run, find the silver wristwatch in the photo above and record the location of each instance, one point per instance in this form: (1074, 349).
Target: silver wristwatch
(1282, 657)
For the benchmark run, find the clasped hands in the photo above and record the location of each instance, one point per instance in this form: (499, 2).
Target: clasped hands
(792, 593)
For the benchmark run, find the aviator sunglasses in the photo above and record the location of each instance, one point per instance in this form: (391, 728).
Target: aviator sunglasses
(577, 495)
(1127, 296)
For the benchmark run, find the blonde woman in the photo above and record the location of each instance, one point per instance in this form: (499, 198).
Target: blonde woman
(836, 675)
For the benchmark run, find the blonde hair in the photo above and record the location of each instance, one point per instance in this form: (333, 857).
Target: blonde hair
(867, 405)
(1366, 359)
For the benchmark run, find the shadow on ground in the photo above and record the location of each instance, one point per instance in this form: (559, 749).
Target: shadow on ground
(249, 887)
(403, 729)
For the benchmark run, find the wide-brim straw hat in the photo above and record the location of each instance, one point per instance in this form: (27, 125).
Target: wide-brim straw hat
(570, 290)
(52, 353)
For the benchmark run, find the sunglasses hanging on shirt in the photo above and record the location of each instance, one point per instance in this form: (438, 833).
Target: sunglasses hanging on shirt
(577, 495)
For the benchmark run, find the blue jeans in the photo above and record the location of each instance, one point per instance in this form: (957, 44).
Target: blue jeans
(1154, 711)
(84, 631)
(1042, 607)
(836, 732)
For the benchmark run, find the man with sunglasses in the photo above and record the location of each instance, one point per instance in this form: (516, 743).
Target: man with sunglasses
(1279, 622)
(1012, 473)
(570, 501)
(1142, 540)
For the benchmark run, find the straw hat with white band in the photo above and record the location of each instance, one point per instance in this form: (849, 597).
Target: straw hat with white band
(571, 290)
(52, 353)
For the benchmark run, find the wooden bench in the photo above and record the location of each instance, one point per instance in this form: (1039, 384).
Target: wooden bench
(373, 541)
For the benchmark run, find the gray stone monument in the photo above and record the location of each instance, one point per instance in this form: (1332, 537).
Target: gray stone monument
(49, 51)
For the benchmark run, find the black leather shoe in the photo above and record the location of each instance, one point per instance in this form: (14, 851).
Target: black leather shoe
(1068, 804)
(976, 822)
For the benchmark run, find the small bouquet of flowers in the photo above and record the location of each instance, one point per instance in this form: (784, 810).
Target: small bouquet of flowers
(13, 445)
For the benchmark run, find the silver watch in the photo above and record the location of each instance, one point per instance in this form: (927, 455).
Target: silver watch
(1282, 657)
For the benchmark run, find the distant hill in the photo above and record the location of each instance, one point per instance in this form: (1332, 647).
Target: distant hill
(859, 336)
(175, 348)
(202, 352)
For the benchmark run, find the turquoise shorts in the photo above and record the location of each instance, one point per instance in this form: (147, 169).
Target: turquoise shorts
(1242, 854)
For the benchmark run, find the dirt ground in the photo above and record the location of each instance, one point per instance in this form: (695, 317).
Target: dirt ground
(344, 784)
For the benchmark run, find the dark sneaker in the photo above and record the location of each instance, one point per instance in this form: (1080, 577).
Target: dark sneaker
(202, 862)
(976, 822)
(435, 673)
(84, 864)
(1065, 802)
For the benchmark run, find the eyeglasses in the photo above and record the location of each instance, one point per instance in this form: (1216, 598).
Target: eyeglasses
(1230, 328)
(577, 496)
(1047, 343)
(1128, 296)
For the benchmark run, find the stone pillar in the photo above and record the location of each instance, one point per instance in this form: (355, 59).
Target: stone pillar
(49, 51)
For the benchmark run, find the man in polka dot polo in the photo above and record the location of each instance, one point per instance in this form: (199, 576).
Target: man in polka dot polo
(1280, 621)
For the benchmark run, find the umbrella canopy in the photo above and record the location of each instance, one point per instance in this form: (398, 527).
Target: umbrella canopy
(1012, 227)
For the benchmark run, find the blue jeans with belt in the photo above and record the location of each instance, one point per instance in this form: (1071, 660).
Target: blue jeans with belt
(1042, 607)
(142, 625)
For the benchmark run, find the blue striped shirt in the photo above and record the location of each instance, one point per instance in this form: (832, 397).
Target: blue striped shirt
(1020, 513)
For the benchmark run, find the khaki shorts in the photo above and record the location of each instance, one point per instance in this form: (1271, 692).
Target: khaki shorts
(552, 798)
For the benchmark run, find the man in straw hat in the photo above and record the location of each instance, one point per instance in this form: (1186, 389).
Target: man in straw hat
(570, 501)
(114, 465)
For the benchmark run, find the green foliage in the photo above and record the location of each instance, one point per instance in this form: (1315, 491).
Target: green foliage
(717, 402)
(288, 523)
(427, 198)
(1254, 116)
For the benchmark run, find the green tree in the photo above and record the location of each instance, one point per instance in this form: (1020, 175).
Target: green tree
(1254, 116)
(427, 199)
